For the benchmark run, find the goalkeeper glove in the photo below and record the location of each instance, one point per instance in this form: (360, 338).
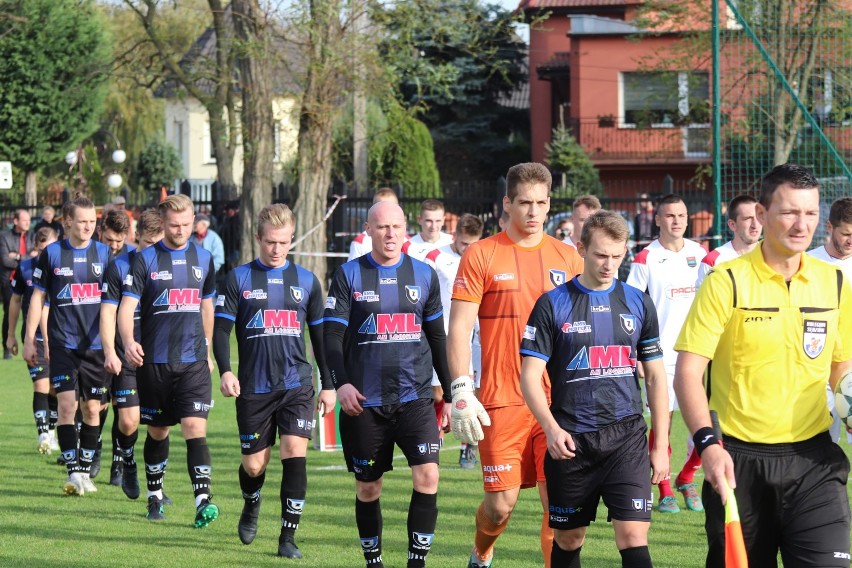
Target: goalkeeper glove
(468, 415)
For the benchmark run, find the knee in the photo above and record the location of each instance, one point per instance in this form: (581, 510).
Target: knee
(193, 428)
(369, 490)
(498, 511)
(254, 467)
(127, 423)
(569, 540)
(426, 479)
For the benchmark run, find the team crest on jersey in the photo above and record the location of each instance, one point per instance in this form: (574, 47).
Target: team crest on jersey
(412, 293)
(557, 277)
(97, 268)
(628, 323)
(297, 293)
(197, 272)
(690, 260)
(814, 337)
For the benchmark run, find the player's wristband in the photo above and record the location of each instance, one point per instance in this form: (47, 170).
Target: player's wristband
(704, 438)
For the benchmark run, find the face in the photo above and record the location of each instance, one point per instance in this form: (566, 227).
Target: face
(529, 209)
(462, 242)
(841, 238)
(790, 220)
(39, 247)
(149, 239)
(565, 229)
(602, 258)
(386, 227)
(579, 216)
(177, 227)
(431, 223)
(81, 225)
(201, 226)
(646, 204)
(746, 226)
(113, 239)
(672, 220)
(47, 215)
(274, 245)
(22, 223)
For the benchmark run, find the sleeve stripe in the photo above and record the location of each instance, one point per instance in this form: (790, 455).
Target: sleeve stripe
(535, 354)
(650, 340)
(316, 322)
(111, 302)
(338, 320)
(132, 295)
(208, 296)
(39, 287)
(223, 315)
(434, 316)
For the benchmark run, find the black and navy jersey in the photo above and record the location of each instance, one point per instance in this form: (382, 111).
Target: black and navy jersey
(386, 352)
(270, 308)
(22, 285)
(71, 280)
(125, 248)
(116, 272)
(170, 285)
(591, 340)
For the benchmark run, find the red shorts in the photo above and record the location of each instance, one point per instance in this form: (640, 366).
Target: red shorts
(512, 452)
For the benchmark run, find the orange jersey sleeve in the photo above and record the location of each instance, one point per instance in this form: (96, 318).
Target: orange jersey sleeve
(506, 280)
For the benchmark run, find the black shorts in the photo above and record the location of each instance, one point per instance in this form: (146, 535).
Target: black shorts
(292, 411)
(612, 463)
(125, 393)
(169, 392)
(368, 439)
(42, 369)
(82, 370)
(791, 497)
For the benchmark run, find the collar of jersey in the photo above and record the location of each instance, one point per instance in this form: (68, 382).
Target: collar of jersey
(583, 289)
(162, 245)
(268, 268)
(764, 272)
(377, 265)
(72, 247)
(508, 240)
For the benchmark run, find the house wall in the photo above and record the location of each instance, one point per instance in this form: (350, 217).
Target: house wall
(546, 38)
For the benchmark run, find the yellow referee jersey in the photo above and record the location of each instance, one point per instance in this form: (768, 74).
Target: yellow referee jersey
(772, 345)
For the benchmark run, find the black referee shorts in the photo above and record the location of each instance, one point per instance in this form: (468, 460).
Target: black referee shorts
(792, 498)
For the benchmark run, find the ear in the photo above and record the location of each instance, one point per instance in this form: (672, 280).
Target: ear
(760, 212)
(581, 249)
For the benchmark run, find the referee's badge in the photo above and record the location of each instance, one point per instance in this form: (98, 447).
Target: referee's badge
(197, 273)
(628, 323)
(97, 269)
(557, 277)
(297, 293)
(412, 293)
(813, 340)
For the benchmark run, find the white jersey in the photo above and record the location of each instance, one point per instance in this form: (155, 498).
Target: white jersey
(669, 278)
(715, 257)
(417, 248)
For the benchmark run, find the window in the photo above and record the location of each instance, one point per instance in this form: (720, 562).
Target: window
(830, 96)
(208, 154)
(664, 98)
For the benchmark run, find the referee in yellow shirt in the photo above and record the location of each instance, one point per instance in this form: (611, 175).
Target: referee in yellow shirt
(777, 324)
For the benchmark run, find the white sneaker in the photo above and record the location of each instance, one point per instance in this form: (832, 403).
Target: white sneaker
(44, 443)
(88, 484)
(54, 443)
(74, 485)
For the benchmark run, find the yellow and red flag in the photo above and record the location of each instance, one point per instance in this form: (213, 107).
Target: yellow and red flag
(735, 553)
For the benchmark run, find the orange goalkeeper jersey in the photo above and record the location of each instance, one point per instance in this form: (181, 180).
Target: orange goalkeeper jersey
(506, 279)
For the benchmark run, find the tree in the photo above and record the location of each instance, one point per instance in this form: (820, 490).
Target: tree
(567, 158)
(159, 165)
(54, 58)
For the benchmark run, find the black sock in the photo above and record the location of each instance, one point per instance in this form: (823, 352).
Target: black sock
(422, 516)
(249, 485)
(67, 438)
(53, 405)
(636, 557)
(368, 517)
(116, 449)
(40, 411)
(124, 447)
(78, 418)
(198, 465)
(104, 414)
(156, 453)
(88, 446)
(565, 558)
(294, 486)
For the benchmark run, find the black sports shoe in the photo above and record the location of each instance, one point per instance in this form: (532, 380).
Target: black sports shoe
(116, 471)
(155, 509)
(247, 526)
(287, 548)
(205, 513)
(167, 501)
(96, 464)
(130, 483)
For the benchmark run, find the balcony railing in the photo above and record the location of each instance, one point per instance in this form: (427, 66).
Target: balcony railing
(607, 139)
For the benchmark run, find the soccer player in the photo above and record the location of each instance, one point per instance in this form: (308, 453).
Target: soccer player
(384, 313)
(173, 282)
(22, 290)
(445, 261)
(837, 251)
(584, 206)
(272, 301)
(589, 333)
(114, 230)
(667, 270)
(499, 279)
(430, 237)
(68, 277)
(362, 244)
(775, 323)
(743, 223)
(125, 394)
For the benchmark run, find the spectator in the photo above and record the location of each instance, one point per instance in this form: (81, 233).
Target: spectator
(208, 239)
(48, 219)
(231, 234)
(564, 231)
(645, 228)
(16, 244)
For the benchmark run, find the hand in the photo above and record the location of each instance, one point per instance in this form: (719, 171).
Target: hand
(437, 394)
(30, 354)
(210, 362)
(350, 400)
(112, 363)
(134, 354)
(560, 444)
(718, 466)
(229, 385)
(467, 416)
(660, 466)
(12, 344)
(46, 350)
(325, 401)
(446, 416)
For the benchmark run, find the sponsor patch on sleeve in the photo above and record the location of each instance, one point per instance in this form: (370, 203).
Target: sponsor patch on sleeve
(128, 280)
(330, 303)
(220, 300)
(37, 273)
(529, 332)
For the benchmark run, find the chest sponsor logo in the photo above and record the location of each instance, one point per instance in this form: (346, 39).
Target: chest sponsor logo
(365, 296)
(80, 259)
(197, 273)
(254, 294)
(180, 299)
(690, 260)
(330, 303)
(84, 293)
(557, 277)
(387, 280)
(529, 332)
(161, 275)
(604, 360)
(412, 293)
(97, 269)
(297, 293)
(276, 322)
(680, 292)
(814, 337)
(576, 327)
(63, 271)
(596, 309)
(628, 323)
(504, 276)
(391, 327)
